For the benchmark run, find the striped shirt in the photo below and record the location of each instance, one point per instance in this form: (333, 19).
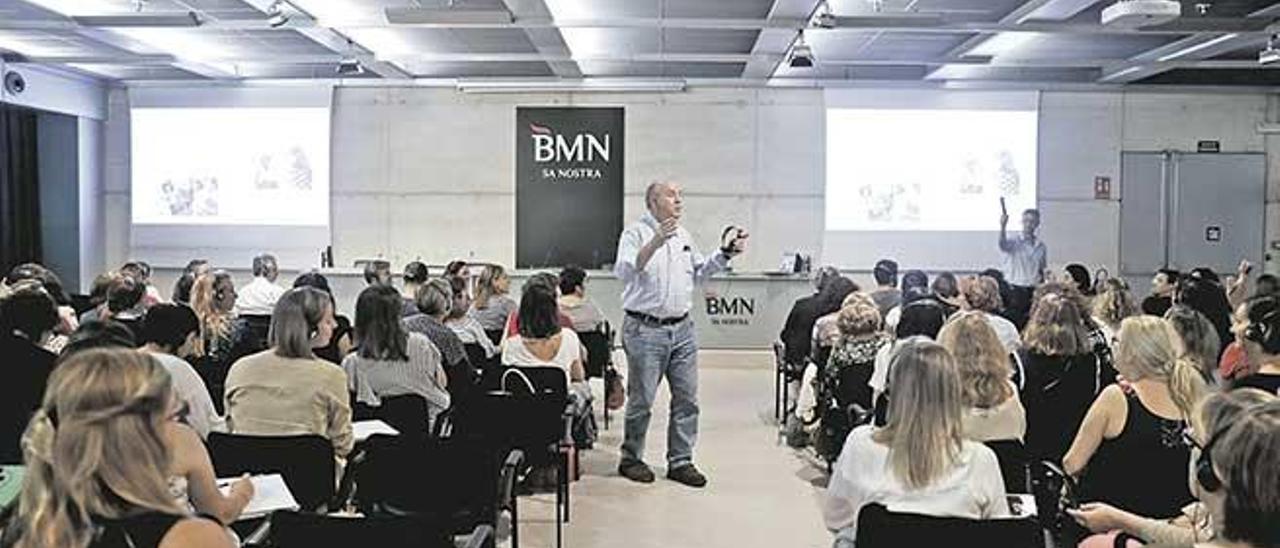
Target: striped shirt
(371, 380)
(493, 316)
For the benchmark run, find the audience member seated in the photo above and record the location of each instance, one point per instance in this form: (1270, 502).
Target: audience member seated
(919, 462)
(992, 410)
(797, 332)
(543, 342)
(583, 314)
(887, 295)
(98, 334)
(1060, 375)
(182, 287)
(98, 463)
(1199, 340)
(340, 343)
(915, 285)
(982, 294)
(1195, 521)
(463, 325)
(1237, 286)
(435, 302)
(1077, 275)
(67, 321)
(125, 304)
(492, 306)
(844, 381)
(98, 296)
(1234, 361)
(1129, 450)
(287, 390)
(377, 272)
(259, 296)
(1260, 339)
(1201, 291)
(456, 267)
(826, 332)
(192, 481)
(141, 272)
(922, 318)
(1162, 288)
(544, 279)
(1267, 285)
(28, 316)
(390, 361)
(1112, 306)
(945, 288)
(415, 275)
(169, 332)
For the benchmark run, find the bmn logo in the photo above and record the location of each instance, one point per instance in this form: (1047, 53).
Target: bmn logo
(736, 306)
(549, 146)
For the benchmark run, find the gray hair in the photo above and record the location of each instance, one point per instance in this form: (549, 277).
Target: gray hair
(264, 265)
(651, 193)
(295, 320)
(434, 297)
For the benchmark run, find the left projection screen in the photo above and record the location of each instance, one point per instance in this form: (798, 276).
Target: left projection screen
(230, 166)
(228, 182)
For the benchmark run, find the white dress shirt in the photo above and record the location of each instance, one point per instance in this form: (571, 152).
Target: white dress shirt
(1024, 261)
(664, 288)
(191, 390)
(259, 297)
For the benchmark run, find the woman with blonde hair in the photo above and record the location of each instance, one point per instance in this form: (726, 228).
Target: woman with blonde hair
(1112, 305)
(919, 462)
(97, 461)
(1129, 449)
(992, 408)
(982, 294)
(492, 305)
(213, 299)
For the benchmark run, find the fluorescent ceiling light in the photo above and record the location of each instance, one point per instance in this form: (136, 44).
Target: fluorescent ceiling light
(1124, 72)
(414, 15)
(585, 85)
(341, 13)
(83, 7)
(185, 45)
(165, 20)
(1197, 47)
(33, 46)
(1058, 10)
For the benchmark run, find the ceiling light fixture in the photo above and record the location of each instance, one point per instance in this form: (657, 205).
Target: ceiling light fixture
(276, 15)
(350, 64)
(449, 14)
(1270, 54)
(188, 19)
(1197, 47)
(801, 53)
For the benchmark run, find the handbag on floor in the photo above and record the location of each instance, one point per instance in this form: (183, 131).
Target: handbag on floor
(615, 395)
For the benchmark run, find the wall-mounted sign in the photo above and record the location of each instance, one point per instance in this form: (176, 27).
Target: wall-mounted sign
(1213, 233)
(1102, 188)
(1211, 147)
(569, 167)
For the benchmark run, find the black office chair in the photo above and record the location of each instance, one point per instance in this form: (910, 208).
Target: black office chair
(494, 335)
(306, 462)
(1014, 463)
(457, 479)
(880, 528)
(780, 395)
(599, 364)
(477, 357)
(301, 530)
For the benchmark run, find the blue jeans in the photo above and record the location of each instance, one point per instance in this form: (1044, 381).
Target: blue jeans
(654, 351)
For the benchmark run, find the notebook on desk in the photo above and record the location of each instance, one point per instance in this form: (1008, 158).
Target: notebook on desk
(362, 430)
(270, 493)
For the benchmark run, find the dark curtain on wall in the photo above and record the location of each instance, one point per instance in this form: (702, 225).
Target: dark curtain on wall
(19, 188)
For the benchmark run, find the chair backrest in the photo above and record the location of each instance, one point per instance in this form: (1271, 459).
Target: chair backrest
(494, 335)
(880, 528)
(454, 477)
(306, 462)
(1014, 463)
(407, 413)
(508, 415)
(598, 352)
(302, 530)
(477, 357)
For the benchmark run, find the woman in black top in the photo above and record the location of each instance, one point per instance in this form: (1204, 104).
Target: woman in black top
(340, 343)
(97, 461)
(1260, 336)
(1061, 375)
(1130, 451)
(27, 318)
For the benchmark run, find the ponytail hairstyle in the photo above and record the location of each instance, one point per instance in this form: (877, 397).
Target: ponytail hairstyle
(1150, 348)
(95, 449)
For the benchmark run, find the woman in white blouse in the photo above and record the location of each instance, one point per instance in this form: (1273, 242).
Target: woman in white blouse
(919, 462)
(992, 410)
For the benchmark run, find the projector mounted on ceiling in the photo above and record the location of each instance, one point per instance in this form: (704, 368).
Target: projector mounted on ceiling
(1134, 14)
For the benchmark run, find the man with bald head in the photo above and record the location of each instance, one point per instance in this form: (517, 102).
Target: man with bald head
(659, 267)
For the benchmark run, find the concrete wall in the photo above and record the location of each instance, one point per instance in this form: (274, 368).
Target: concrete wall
(58, 142)
(427, 174)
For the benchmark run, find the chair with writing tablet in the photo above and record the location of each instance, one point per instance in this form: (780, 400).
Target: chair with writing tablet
(306, 462)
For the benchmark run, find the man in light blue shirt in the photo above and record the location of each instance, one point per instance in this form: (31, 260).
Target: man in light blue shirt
(1024, 262)
(659, 267)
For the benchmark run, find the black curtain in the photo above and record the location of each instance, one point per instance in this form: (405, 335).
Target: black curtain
(19, 188)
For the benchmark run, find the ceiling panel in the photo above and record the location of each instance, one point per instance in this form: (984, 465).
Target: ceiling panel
(1216, 77)
(126, 72)
(451, 70)
(707, 41)
(844, 44)
(39, 43)
(1016, 74)
(410, 41)
(968, 10)
(211, 43)
(1064, 47)
(671, 69)
(730, 9)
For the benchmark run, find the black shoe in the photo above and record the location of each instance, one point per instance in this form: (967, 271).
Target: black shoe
(688, 475)
(636, 471)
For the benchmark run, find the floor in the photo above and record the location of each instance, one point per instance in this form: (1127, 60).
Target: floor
(761, 493)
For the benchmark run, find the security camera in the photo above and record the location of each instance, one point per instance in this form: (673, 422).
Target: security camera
(14, 82)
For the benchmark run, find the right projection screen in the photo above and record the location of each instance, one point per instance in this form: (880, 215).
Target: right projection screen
(918, 176)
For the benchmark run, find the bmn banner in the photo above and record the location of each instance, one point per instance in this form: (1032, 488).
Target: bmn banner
(568, 186)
